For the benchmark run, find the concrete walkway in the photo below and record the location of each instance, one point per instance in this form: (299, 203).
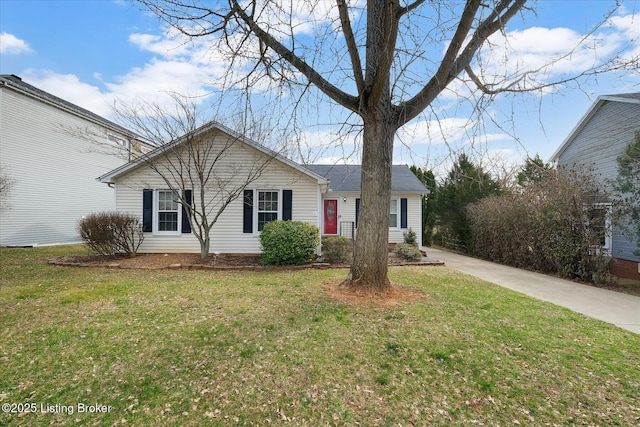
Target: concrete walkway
(620, 309)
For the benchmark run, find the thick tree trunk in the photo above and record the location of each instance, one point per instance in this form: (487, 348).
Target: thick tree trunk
(370, 253)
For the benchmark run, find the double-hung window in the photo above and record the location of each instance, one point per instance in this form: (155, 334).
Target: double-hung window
(168, 211)
(393, 213)
(267, 207)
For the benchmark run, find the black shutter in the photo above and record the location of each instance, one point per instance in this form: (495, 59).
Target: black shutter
(357, 211)
(186, 226)
(247, 214)
(147, 210)
(287, 201)
(403, 213)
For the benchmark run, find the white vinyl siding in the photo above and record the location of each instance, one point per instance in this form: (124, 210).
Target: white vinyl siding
(53, 171)
(227, 234)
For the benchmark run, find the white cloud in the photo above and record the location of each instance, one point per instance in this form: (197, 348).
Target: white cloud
(549, 54)
(170, 44)
(71, 89)
(11, 45)
(336, 160)
(326, 138)
(629, 29)
(157, 79)
(447, 131)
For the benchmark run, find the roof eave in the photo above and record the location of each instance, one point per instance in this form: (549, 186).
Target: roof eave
(577, 128)
(585, 119)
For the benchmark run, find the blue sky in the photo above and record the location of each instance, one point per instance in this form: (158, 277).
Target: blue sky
(94, 52)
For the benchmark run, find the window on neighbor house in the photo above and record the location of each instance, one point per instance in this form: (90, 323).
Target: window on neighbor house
(267, 207)
(168, 211)
(116, 140)
(599, 224)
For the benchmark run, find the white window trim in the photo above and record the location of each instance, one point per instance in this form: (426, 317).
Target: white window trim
(398, 220)
(256, 193)
(156, 216)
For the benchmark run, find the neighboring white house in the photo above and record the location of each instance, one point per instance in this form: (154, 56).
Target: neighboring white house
(284, 190)
(51, 151)
(599, 138)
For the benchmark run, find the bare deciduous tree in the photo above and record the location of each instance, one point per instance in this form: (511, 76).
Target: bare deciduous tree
(382, 61)
(205, 168)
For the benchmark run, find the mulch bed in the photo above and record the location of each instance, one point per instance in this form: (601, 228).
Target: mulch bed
(397, 295)
(193, 261)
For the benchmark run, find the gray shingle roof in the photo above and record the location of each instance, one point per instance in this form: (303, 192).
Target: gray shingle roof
(347, 178)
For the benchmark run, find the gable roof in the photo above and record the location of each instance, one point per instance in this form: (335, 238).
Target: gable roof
(109, 177)
(15, 83)
(347, 178)
(630, 98)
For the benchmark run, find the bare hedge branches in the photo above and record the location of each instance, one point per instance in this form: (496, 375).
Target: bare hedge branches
(110, 233)
(557, 225)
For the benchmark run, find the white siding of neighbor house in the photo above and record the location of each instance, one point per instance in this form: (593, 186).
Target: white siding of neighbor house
(347, 213)
(599, 143)
(227, 234)
(53, 173)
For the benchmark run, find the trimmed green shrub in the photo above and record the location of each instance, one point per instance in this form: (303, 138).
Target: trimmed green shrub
(288, 242)
(410, 237)
(110, 233)
(408, 252)
(336, 248)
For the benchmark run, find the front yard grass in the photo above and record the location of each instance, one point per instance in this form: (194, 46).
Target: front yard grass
(177, 347)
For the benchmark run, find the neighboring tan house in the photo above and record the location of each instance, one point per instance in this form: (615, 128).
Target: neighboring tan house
(284, 190)
(50, 152)
(599, 138)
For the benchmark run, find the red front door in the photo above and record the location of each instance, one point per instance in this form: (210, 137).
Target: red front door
(331, 216)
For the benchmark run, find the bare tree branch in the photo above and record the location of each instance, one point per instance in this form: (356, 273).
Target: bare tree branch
(450, 68)
(352, 47)
(344, 99)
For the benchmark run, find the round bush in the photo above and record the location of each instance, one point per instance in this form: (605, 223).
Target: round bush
(408, 252)
(288, 242)
(336, 248)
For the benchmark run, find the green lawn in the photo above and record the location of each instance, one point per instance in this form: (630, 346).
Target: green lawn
(218, 348)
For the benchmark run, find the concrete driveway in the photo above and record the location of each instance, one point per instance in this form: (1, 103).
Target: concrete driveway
(620, 309)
